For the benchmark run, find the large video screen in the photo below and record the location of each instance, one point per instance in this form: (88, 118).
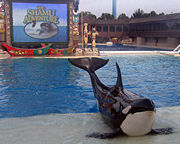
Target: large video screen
(39, 22)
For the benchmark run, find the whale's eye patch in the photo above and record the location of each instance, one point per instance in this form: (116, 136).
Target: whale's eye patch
(126, 110)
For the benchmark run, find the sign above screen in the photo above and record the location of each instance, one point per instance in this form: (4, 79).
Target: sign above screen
(39, 22)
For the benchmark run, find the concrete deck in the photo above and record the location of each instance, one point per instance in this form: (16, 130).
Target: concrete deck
(5, 55)
(108, 53)
(72, 128)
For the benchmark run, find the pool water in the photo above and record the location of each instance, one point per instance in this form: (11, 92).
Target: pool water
(128, 48)
(31, 87)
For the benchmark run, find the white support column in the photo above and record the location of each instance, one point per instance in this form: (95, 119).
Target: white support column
(140, 41)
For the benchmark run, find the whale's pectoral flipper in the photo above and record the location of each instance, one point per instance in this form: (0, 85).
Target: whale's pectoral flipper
(106, 135)
(162, 131)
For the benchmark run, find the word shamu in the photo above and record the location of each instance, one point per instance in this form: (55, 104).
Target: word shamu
(41, 14)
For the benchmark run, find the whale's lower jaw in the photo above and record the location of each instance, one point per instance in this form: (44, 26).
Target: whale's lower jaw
(138, 124)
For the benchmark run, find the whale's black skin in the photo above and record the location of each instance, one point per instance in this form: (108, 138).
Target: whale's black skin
(114, 103)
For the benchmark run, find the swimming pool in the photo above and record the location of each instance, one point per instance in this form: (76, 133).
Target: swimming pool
(31, 87)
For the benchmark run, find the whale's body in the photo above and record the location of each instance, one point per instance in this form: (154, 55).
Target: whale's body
(126, 112)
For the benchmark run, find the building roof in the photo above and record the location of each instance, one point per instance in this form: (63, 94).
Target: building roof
(156, 18)
(91, 20)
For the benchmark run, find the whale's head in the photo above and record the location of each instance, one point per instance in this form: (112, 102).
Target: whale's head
(140, 116)
(139, 105)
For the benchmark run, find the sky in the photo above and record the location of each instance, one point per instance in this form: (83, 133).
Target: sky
(128, 7)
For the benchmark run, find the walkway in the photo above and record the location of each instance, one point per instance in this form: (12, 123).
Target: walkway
(3, 54)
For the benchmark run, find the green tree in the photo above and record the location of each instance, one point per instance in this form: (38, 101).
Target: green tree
(141, 14)
(106, 16)
(161, 14)
(87, 14)
(138, 13)
(153, 13)
(123, 16)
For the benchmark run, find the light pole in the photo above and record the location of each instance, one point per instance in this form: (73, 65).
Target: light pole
(114, 9)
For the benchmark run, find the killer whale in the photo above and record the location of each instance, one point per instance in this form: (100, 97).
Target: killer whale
(126, 112)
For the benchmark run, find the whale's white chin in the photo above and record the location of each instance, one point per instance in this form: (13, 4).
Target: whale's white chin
(138, 124)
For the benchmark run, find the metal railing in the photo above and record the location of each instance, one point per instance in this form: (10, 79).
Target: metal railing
(177, 48)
